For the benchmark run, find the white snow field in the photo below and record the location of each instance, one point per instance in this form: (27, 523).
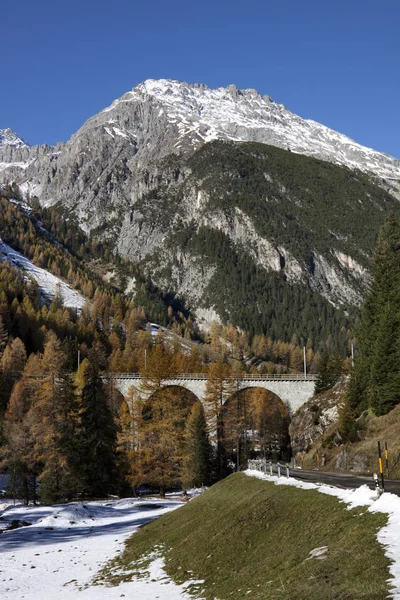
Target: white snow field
(48, 283)
(389, 504)
(58, 555)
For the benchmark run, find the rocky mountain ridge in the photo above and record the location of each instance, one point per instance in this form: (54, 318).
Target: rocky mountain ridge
(186, 116)
(131, 174)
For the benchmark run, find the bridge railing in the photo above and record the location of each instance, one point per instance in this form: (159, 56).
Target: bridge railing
(273, 377)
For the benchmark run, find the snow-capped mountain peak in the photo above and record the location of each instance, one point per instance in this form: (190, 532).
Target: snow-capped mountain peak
(9, 138)
(164, 116)
(202, 114)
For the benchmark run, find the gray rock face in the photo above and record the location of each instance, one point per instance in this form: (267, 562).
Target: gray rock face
(138, 145)
(24, 164)
(317, 416)
(14, 152)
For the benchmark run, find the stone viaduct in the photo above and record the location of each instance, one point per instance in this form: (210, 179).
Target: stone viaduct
(294, 390)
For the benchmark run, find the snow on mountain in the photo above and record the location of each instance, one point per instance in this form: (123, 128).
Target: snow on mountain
(19, 161)
(9, 138)
(160, 117)
(48, 284)
(15, 153)
(15, 164)
(203, 114)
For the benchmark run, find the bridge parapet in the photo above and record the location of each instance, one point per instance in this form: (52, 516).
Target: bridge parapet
(203, 376)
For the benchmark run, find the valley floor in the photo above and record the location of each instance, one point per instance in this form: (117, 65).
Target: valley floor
(66, 545)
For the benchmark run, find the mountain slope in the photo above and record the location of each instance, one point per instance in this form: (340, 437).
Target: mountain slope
(309, 222)
(49, 284)
(169, 163)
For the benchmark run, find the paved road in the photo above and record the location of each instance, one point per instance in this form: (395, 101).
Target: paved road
(340, 479)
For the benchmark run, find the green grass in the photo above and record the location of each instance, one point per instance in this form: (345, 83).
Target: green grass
(251, 539)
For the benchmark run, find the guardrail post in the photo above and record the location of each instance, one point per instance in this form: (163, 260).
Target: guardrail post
(270, 468)
(287, 471)
(379, 491)
(279, 469)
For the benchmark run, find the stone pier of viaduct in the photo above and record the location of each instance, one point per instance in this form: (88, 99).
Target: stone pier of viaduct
(294, 390)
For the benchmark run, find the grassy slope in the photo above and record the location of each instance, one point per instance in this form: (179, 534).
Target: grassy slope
(251, 539)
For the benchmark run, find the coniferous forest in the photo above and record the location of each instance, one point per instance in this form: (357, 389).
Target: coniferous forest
(66, 431)
(375, 380)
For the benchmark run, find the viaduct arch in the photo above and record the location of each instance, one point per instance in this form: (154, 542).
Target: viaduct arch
(294, 390)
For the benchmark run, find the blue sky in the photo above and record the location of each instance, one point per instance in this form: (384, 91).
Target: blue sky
(336, 62)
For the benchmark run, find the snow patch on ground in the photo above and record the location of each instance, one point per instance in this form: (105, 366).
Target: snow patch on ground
(389, 504)
(48, 283)
(59, 554)
(318, 553)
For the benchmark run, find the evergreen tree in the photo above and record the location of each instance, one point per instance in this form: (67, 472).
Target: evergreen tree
(97, 430)
(68, 421)
(348, 423)
(385, 374)
(329, 370)
(197, 452)
(375, 378)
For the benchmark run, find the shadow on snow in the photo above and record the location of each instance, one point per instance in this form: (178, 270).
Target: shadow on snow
(39, 535)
